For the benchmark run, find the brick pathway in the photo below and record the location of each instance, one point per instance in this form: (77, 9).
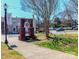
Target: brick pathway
(31, 51)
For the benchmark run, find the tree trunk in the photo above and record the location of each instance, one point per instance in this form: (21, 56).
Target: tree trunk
(46, 23)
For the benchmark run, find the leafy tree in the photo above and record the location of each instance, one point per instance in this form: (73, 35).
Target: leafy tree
(57, 22)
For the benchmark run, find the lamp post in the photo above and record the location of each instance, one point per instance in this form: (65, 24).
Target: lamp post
(5, 10)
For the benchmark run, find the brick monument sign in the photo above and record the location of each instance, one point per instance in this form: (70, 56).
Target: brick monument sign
(26, 29)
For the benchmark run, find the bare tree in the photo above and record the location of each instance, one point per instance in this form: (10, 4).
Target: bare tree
(73, 4)
(43, 8)
(70, 10)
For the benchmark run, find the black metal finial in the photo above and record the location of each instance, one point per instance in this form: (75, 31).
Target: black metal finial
(5, 5)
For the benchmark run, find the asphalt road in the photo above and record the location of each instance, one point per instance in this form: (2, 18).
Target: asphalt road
(64, 32)
(51, 31)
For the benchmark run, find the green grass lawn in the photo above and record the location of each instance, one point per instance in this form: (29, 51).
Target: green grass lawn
(9, 54)
(67, 43)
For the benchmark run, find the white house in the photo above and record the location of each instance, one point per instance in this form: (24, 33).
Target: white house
(13, 24)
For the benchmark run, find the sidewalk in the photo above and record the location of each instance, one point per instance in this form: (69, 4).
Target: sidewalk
(31, 51)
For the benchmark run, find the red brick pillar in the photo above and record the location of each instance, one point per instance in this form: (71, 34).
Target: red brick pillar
(31, 29)
(22, 30)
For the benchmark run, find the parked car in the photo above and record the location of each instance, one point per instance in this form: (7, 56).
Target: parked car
(54, 28)
(76, 28)
(59, 29)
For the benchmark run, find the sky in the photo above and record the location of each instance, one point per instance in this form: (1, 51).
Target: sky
(14, 7)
